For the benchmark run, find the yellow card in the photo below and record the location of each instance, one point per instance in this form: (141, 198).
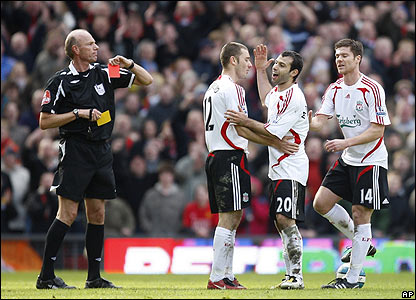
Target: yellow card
(105, 118)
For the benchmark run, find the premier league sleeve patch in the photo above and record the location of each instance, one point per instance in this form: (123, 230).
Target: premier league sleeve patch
(46, 97)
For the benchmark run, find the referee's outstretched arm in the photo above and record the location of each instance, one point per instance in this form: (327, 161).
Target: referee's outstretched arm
(142, 76)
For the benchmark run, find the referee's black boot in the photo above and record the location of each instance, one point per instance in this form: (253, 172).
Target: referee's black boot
(56, 283)
(100, 283)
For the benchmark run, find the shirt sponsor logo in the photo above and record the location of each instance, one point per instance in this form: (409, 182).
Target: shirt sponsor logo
(46, 97)
(99, 88)
(348, 122)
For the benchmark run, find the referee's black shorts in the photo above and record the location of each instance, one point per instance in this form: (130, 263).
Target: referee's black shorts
(228, 181)
(85, 170)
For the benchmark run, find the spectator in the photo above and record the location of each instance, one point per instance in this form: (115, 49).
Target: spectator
(404, 119)
(19, 47)
(168, 142)
(298, 22)
(8, 211)
(166, 107)
(404, 90)
(404, 61)
(190, 169)
(381, 61)
(257, 215)
(145, 55)
(42, 205)
(7, 63)
(135, 184)
(197, 219)
(20, 181)
(400, 215)
(132, 108)
(160, 213)
(17, 131)
(402, 164)
(40, 155)
(30, 117)
(50, 60)
(120, 220)
(6, 140)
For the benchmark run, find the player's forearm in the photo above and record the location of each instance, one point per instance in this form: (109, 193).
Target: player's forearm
(263, 85)
(253, 137)
(374, 132)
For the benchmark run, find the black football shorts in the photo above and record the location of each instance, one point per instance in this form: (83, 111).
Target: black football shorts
(85, 170)
(287, 197)
(360, 185)
(228, 180)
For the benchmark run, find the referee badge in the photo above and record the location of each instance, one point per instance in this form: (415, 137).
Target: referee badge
(99, 88)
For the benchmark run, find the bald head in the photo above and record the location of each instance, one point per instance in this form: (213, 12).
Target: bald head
(74, 38)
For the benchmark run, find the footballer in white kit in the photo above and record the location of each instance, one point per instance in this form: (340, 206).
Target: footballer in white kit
(356, 107)
(288, 168)
(287, 116)
(226, 167)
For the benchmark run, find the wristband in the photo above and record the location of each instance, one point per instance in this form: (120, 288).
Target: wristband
(90, 117)
(132, 65)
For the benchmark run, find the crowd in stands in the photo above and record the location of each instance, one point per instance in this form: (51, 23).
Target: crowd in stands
(158, 138)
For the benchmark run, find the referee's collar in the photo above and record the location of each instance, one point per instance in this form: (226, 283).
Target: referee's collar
(73, 70)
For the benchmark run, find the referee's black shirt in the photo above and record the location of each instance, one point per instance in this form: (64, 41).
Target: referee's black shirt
(69, 89)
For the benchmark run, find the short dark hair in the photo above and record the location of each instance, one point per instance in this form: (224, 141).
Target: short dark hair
(166, 166)
(297, 63)
(355, 46)
(228, 50)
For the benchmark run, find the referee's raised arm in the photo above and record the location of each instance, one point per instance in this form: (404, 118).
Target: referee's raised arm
(142, 76)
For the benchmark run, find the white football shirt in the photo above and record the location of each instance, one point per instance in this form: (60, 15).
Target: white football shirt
(287, 115)
(356, 107)
(223, 94)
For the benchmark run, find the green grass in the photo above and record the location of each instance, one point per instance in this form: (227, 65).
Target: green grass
(21, 285)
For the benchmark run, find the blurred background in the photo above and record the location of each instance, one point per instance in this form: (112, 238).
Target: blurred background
(158, 138)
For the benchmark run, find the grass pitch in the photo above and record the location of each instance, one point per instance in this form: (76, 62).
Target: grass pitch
(21, 285)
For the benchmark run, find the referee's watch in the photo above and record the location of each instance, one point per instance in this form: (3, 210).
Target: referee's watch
(76, 113)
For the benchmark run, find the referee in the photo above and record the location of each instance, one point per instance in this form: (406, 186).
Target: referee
(80, 101)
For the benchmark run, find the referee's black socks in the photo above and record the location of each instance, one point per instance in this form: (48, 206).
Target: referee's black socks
(54, 238)
(94, 239)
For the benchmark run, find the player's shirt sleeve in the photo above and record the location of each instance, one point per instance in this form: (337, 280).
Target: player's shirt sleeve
(53, 94)
(377, 106)
(234, 96)
(126, 78)
(328, 104)
(279, 124)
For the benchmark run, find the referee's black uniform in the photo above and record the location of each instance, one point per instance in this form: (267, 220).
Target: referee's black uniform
(85, 157)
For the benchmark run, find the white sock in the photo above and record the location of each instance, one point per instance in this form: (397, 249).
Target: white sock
(342, 221)
(229, 263)
(294, 249)
(221, 247)
(285, 256)
(360, 245)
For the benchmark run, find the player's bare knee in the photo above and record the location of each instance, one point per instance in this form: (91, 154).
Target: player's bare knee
(283, 221)
(361, 214)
